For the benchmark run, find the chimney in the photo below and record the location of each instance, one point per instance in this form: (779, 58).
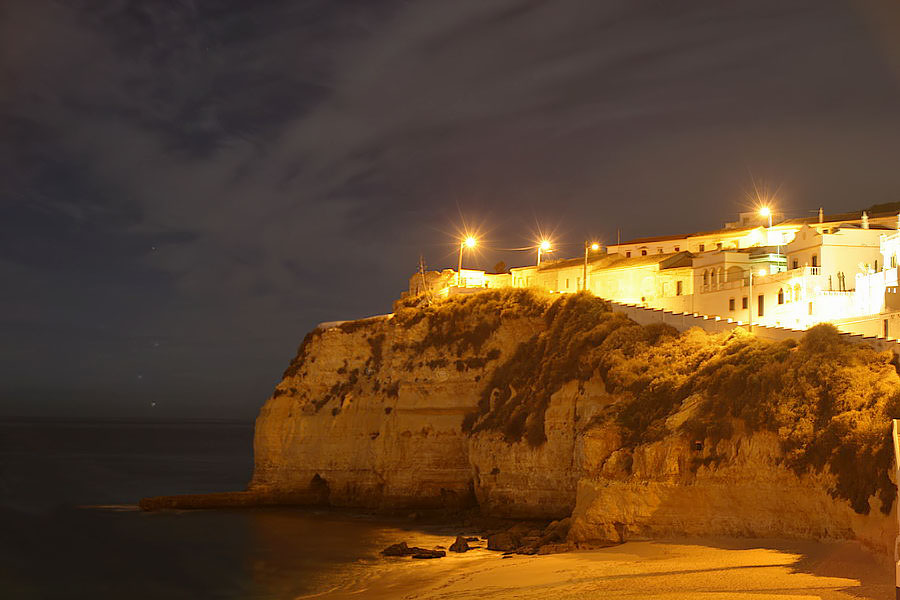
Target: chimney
(865, 220)
(822, 215)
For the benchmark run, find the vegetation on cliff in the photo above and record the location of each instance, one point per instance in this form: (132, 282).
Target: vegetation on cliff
(829, 401)
(464, 323)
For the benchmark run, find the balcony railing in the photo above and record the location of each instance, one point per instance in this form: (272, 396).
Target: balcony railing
(744, 282)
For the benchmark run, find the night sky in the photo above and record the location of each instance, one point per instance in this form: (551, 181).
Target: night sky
(187, 187)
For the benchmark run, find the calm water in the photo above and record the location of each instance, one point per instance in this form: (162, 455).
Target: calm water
(51, 548)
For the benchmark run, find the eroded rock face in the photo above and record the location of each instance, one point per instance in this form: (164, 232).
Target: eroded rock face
(739, 488)
(373, 410)
(370, 414)
(518, 480)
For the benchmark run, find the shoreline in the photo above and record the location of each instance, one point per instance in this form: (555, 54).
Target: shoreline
(670, 569)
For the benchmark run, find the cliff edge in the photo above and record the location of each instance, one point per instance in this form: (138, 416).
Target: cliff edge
(537, 406)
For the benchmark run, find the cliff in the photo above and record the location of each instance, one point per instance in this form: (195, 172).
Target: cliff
(535, 406)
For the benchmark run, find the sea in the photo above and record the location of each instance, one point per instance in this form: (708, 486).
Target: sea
(70, 527)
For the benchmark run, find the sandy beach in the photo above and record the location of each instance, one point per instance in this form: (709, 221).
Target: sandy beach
(734, 569)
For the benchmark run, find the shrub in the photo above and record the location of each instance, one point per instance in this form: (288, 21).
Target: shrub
(538, 368)
(464, 323)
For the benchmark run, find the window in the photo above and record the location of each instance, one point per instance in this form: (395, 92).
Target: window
(643, 253)
(702, 247)
(885, 328)
(894, 261)
(659, 251)
(780, 296)
(578, 282)
(876, 265)
(718, 245)
(731, 304)
(628, 254)
(810, 308)
(815, 260)
(760, 305)
(744, 302)
(567, 283)
(795, 264)
(678, 288)
(677, 249)
(705, 278)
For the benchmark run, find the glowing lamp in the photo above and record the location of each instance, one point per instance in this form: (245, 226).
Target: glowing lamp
(545, 245)
(762, 272)
(595, 246)
(764, 211)
(470, 242)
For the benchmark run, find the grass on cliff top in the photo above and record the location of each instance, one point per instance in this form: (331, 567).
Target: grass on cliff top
(464, 323)
(830, 402)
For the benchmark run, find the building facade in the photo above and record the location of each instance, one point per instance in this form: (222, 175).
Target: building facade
(843, 269)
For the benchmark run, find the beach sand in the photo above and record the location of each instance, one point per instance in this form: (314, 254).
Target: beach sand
(733, 569)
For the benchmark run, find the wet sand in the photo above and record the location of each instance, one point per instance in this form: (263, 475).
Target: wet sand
(733, 569)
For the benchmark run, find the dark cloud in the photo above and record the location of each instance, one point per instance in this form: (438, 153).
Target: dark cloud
(189, 186)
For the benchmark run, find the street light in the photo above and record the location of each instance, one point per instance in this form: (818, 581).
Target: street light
(762, 273)
(543, 246)
(592, 246)
(470, 242)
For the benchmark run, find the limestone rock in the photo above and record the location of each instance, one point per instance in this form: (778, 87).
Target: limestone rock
(400, 549)
(370, 414)
(504, 542)
(460, 545)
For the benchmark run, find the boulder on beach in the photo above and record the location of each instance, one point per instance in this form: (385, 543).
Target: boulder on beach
(423, 553)
(400, 549)
(504, 541)
(460, 545)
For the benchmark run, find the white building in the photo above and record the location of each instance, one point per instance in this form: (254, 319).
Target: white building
(841, 269)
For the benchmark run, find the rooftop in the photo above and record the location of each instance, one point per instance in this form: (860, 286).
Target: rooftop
(840, 219)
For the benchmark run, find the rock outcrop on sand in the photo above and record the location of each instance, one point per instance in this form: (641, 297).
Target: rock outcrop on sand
(532, 407)
(402, 549)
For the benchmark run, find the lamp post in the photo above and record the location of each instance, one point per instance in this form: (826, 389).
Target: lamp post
(750, 299)
(592, 246)
(543, 246)
(469, 242)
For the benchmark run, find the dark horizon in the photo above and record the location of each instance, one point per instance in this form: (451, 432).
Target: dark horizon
(188, 189)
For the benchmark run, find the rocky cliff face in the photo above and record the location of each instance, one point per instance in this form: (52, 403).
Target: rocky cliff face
(373, 409)
(538, 409)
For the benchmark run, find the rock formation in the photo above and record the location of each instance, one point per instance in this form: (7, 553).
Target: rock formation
(531, 407)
